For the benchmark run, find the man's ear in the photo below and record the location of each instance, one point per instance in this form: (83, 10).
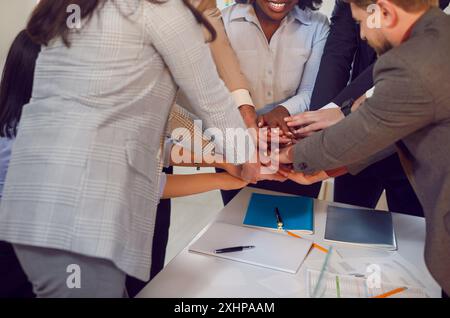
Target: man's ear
(389, 14)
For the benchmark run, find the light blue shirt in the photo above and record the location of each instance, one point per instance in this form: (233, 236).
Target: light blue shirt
(283, 71)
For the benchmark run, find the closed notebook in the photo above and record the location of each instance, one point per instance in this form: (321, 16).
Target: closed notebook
(361, 227)
(272, 250)
(297, 212)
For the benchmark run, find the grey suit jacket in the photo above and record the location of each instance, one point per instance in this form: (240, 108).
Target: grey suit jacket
(85, 169)
(410, 108)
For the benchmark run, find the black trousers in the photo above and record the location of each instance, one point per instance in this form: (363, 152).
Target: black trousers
(160, 239)
(13, 281)
(288, 187)
(366, 188)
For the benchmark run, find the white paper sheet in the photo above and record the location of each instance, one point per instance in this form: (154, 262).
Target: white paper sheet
(272, 250)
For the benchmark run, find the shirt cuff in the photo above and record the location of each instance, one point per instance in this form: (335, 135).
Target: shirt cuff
(295, 105)
(242, 97)
(330, 106)
(370, 92)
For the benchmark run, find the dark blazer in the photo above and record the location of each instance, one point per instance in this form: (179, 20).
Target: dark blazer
(346, 59)
(410, 108)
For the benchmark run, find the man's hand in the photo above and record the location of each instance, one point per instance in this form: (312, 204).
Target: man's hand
(285, 155)
(275, 119)
(310, 122)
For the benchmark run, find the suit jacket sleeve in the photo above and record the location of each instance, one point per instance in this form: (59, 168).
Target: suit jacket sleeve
(443, 4)
(337, 59)
(357, 167)
(400, 105)
(357, 88)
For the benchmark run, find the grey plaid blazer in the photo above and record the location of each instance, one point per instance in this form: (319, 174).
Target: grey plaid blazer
(85, 169)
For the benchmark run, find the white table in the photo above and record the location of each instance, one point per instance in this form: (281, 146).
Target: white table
(195, 275)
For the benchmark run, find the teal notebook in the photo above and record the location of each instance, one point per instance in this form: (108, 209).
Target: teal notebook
(297, 212)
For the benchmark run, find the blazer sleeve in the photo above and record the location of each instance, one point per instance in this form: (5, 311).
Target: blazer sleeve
(179, 39)
(443, 4)
(400, 106)
(358, 87)
(336, 64)
(183, 130)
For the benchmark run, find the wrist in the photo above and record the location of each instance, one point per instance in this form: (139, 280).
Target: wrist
(290, 154)
(222, 180)
(249, 115)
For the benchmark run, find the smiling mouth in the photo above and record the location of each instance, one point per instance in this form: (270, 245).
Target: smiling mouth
(277, 6)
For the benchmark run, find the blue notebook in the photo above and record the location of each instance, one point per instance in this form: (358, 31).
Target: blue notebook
(297, 212)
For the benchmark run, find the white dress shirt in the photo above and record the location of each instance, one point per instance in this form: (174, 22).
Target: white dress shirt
(284, 70)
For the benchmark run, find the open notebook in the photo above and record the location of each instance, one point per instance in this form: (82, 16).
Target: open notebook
(360, 227)
(272, 250)
(296, 212)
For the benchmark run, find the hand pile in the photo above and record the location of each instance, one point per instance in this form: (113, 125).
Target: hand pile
(277, 134)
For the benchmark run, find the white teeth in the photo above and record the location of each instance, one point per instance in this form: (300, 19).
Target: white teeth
(276, 5)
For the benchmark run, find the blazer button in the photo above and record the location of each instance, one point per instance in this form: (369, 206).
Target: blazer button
(302, 166)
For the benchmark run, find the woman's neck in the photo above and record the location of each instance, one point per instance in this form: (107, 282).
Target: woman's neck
(268, 25)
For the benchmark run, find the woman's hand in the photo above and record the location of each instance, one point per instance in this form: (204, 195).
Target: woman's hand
(275, 119)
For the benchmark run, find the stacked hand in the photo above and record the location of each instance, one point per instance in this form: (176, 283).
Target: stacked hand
(276, 164)
(305, 124)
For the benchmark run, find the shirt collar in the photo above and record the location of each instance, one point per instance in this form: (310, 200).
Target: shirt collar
(247, 12)
(302, 16)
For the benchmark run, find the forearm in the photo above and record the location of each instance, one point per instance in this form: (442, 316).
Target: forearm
(356, 168)
(183, 157)
(301, 102)
(199, 183)
(224, 56)
(189, 60)
(357, 88)
(339, 52)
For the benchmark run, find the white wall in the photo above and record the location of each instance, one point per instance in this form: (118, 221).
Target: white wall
(13, 17)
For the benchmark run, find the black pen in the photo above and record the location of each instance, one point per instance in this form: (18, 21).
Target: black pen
(233, 249)
(279, 219)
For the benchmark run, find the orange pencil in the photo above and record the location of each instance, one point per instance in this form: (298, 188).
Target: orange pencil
(323, 249)
(392, 292)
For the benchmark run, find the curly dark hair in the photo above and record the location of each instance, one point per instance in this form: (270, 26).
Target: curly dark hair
(311, 4)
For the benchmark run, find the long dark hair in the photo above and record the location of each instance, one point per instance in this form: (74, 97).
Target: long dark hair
(17, 82)
(48, 20)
